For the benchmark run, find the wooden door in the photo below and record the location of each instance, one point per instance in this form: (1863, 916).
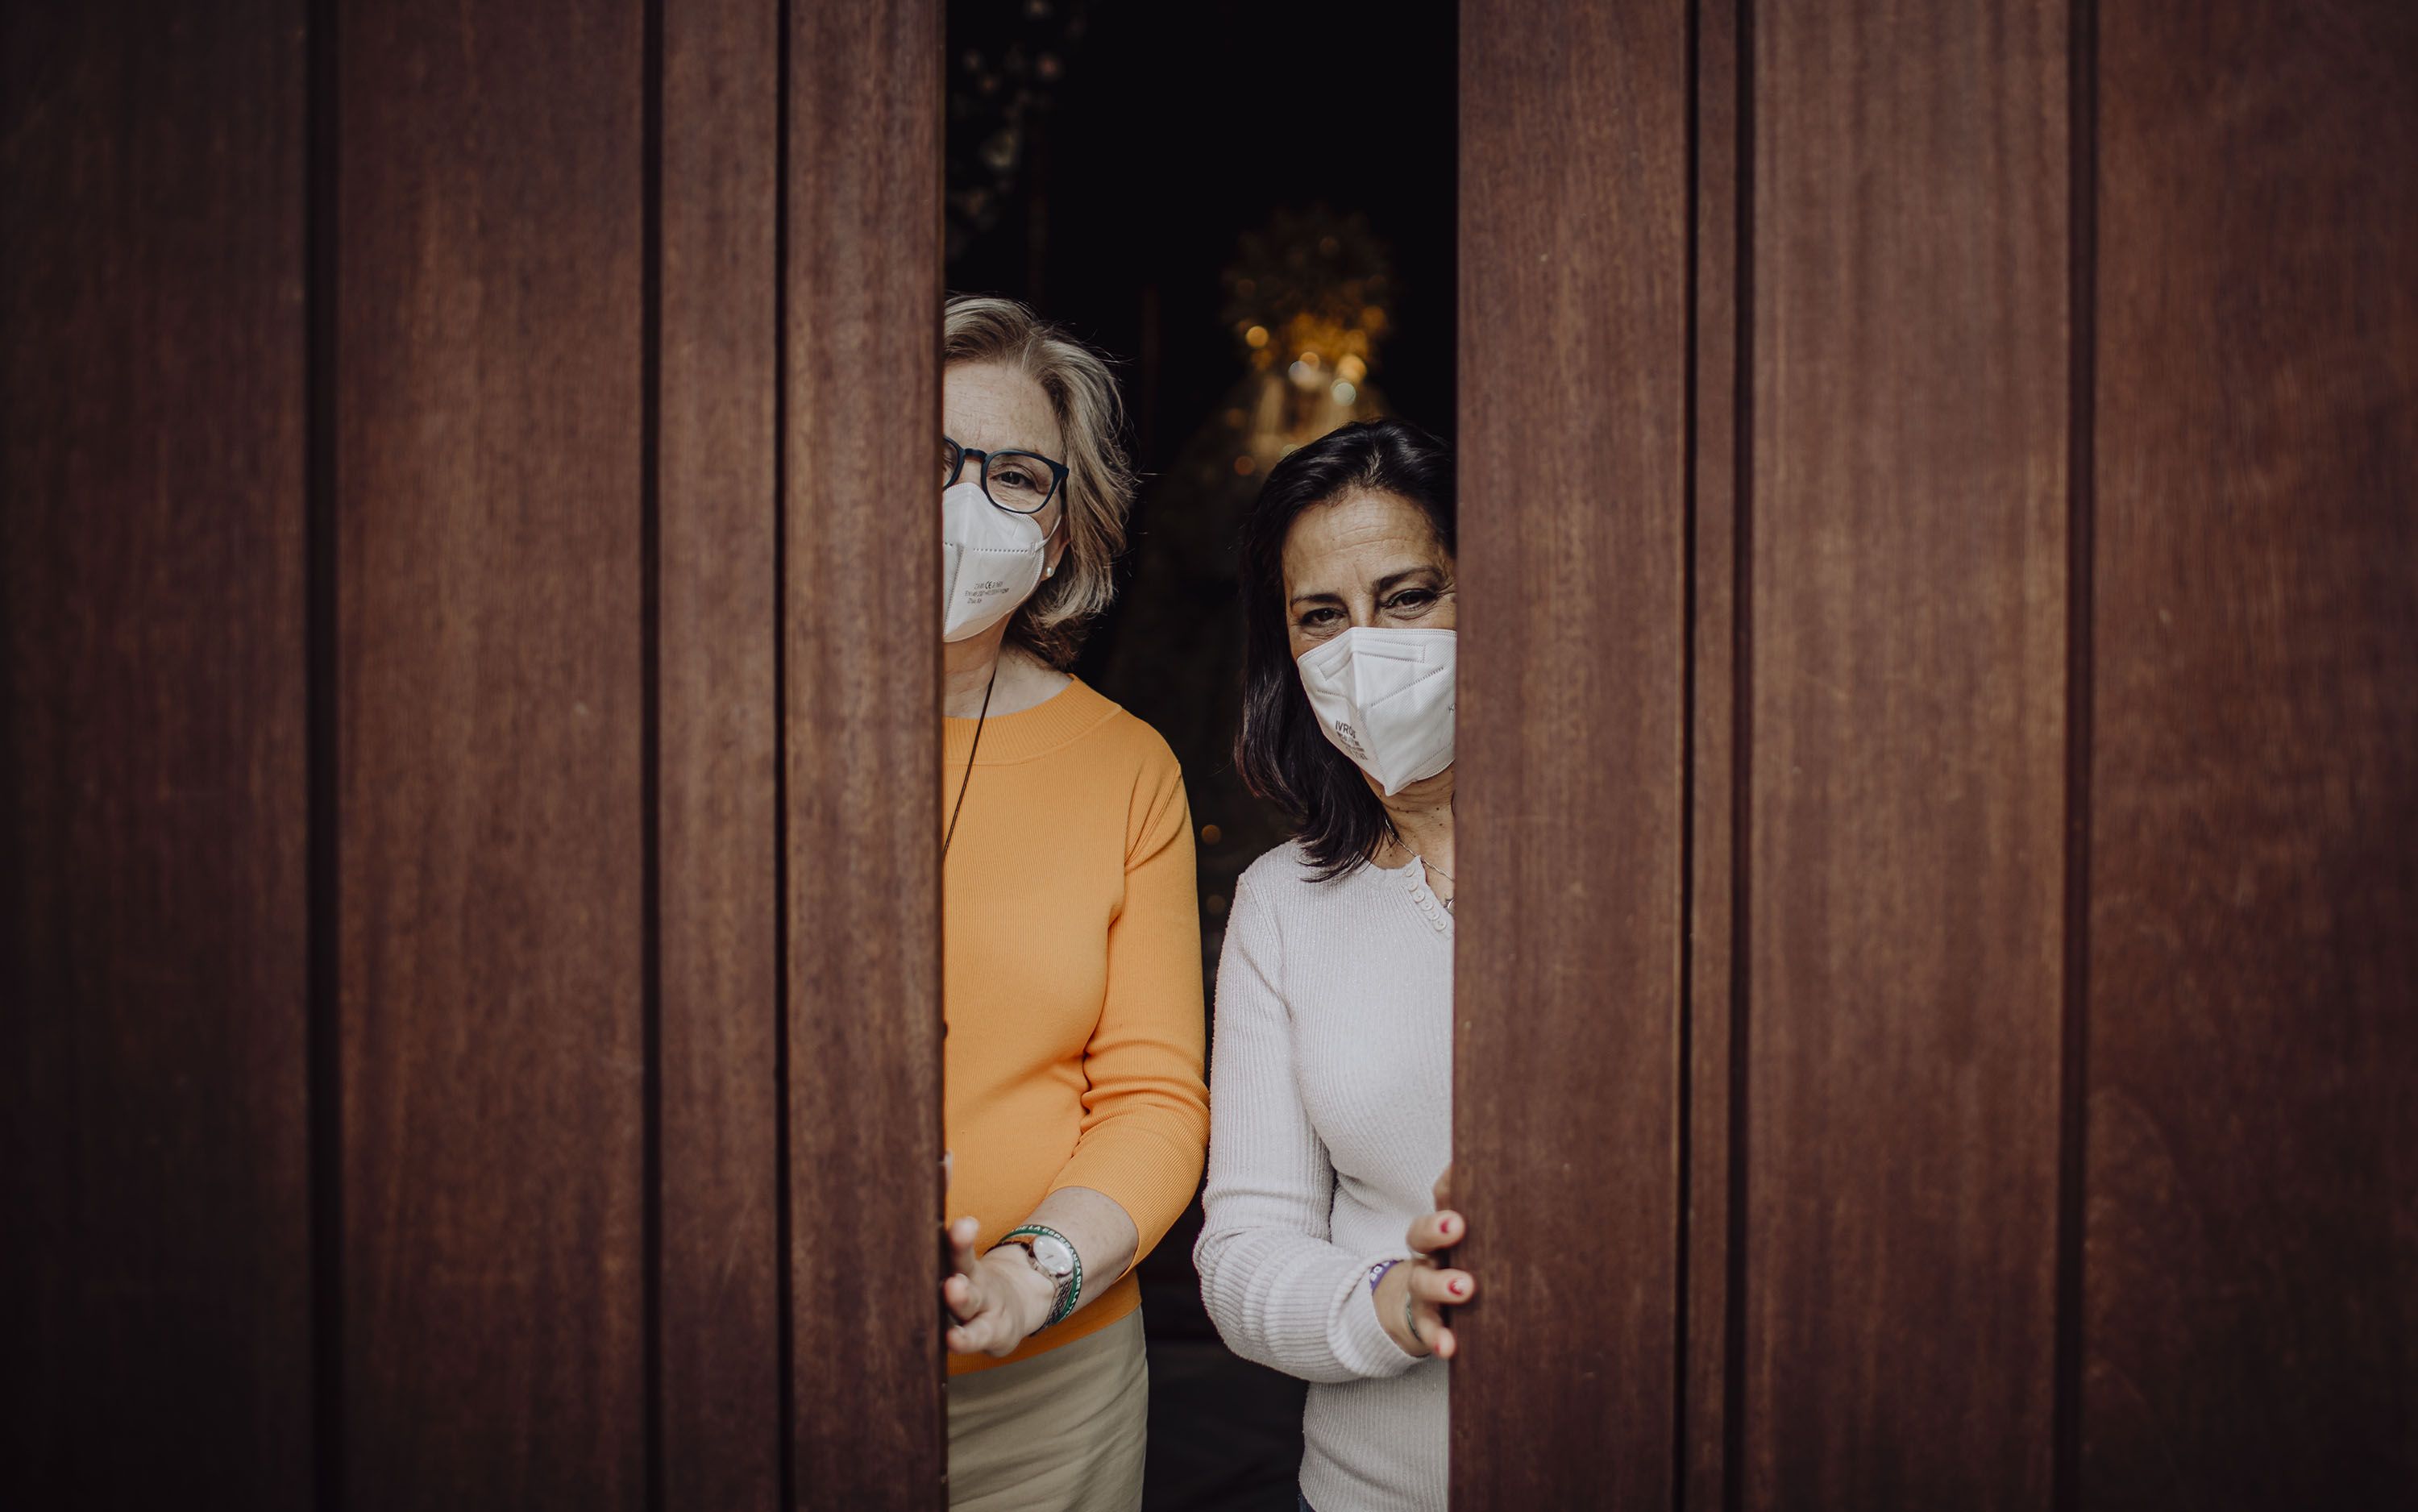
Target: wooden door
(471, 956)
(2031, 598)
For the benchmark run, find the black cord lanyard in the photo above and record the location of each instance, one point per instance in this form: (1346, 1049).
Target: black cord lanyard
(968, 780)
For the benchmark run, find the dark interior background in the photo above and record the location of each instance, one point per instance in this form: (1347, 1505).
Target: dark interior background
(1137, 173)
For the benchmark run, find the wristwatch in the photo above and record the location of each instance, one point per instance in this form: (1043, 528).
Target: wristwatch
(1054, 1257)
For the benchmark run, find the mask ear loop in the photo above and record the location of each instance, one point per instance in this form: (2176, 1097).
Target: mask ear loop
(1049, 569)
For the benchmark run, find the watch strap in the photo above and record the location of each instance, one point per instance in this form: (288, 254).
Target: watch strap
(1069, 1288)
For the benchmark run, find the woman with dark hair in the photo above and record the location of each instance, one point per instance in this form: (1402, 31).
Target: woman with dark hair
(1331, 1064)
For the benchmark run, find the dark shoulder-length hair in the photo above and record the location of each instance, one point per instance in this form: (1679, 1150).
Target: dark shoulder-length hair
(1283, 755)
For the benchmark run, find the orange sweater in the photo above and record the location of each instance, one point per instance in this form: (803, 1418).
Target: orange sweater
(1071, 979)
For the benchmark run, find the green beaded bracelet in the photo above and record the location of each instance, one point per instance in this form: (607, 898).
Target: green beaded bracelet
(1073, 1293)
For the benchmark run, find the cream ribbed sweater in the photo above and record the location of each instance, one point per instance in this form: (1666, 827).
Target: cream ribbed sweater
(1330, 1117)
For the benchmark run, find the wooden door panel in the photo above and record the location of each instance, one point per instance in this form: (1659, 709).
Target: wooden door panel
(716, 811)
(489, 404)
(155, 1153)
(2250, 1317)
(1905, 753)
(860, 680)
(1573, 457)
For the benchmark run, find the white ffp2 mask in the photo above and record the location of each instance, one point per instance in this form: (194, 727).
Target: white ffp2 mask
(1385, 697)
(991, 560)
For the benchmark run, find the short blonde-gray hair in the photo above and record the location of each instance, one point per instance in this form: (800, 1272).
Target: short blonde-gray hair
(979, 327)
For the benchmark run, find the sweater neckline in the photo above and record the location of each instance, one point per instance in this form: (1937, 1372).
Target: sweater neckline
(1065, 716)
(1412, 878)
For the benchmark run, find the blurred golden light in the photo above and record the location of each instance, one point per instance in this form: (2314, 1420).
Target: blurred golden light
(1244, 466)
(1351, 369)
(1256, 337)
(1344, 393)
(1211, 834)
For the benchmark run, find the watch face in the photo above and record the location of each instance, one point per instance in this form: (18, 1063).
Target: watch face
(1054, 1257)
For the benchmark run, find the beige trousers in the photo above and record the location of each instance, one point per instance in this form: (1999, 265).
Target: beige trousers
(1060, 1432)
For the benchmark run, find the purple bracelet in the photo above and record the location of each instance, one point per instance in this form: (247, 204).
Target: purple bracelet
(1377, 1274)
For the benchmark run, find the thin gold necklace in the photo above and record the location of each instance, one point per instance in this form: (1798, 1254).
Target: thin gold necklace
(1440, 872)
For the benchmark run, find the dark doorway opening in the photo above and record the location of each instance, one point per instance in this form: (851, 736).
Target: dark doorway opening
(1251, 207)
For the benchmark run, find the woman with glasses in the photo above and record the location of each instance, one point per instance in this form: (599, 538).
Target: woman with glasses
(1324, 1253)
(1074, 1110)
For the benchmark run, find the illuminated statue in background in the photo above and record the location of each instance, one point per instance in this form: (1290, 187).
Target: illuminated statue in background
(1307, 299)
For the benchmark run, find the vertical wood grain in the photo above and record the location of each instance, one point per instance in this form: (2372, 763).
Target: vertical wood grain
(488, 519)
(1908, 578)
(861, 674)
(1573, 453)
(1714, 628)
(718, 825)
(154, 1157)
(2251, 1270)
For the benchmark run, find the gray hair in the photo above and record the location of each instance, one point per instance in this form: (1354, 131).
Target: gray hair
(977, 328)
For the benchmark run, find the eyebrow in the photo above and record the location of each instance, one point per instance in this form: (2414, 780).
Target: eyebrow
(1384, 585)
(992, 451)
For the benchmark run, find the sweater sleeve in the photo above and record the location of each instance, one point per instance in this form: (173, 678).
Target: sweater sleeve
(1278, 1289)
(1145, 1111)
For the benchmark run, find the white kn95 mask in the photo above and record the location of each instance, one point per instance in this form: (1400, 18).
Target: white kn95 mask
(991, 560)
(1385, 697)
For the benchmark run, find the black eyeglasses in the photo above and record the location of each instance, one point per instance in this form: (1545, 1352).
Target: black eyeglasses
(1019, 482)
